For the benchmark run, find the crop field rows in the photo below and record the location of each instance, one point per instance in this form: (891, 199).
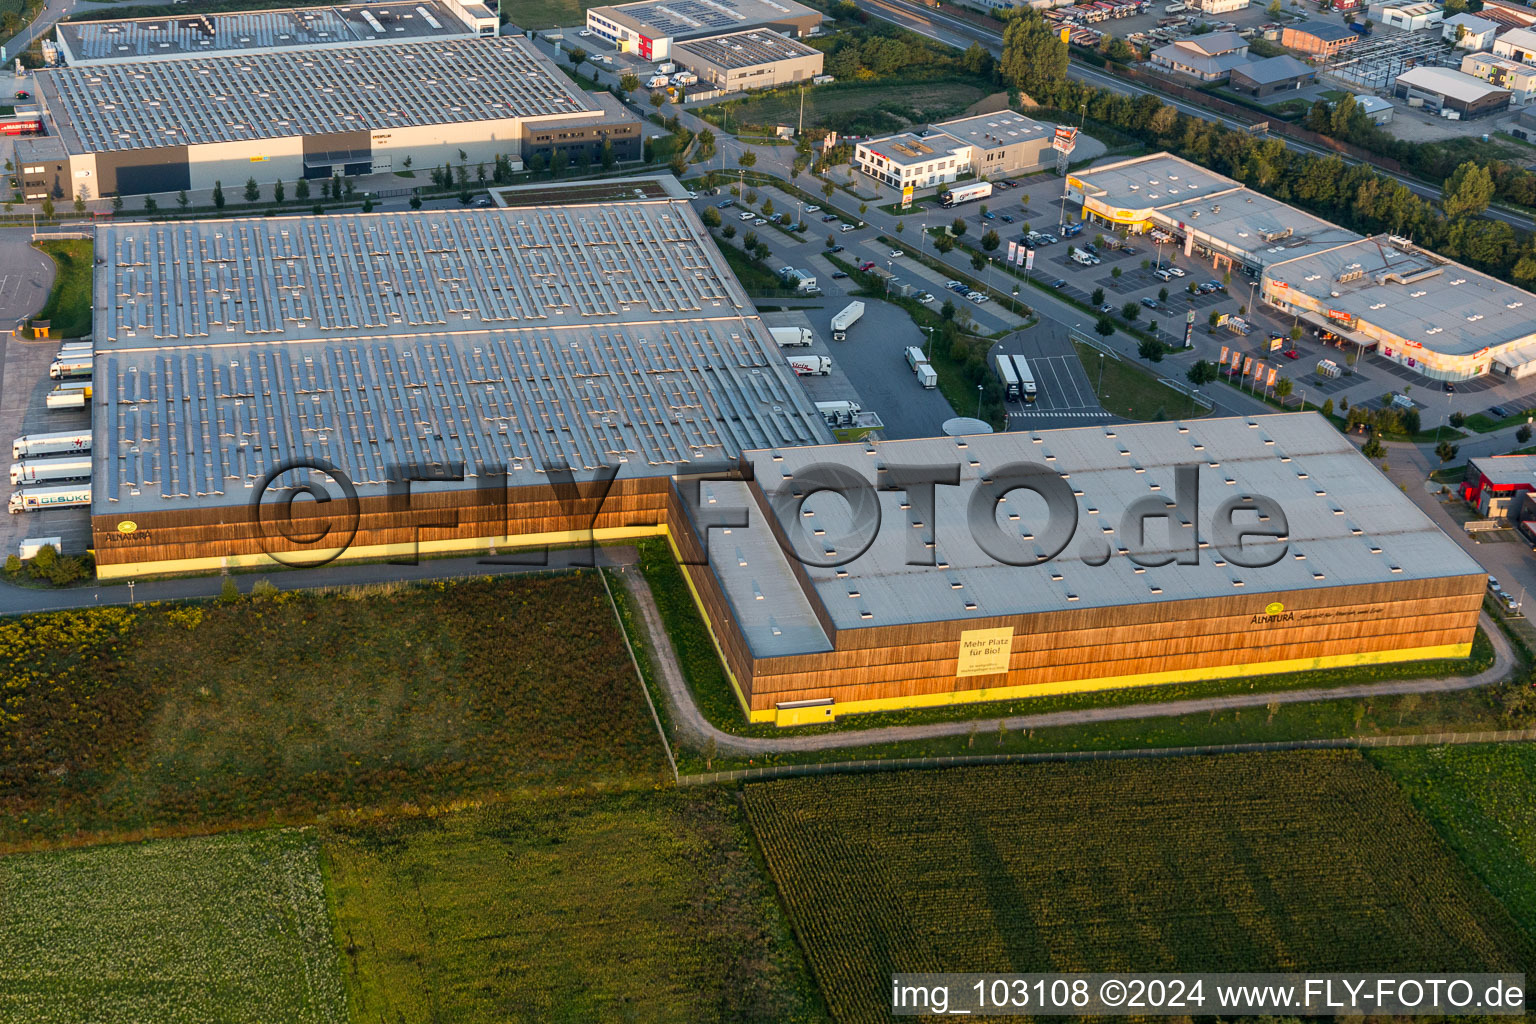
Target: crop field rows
(1308, 861)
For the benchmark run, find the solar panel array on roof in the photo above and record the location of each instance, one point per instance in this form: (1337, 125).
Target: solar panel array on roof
(509, 340)
(240, 97)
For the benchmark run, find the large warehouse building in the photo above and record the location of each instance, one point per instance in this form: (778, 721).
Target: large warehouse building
(537, 374)
(138, 40)
(749, 60)
(495, 345)
(651, 28)
(926, 595)
(1433, 316)
(161, 126)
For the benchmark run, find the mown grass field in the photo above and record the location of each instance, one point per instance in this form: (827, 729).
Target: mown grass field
(1305, 861)
(1482, 801)
(69, 301)
(230, 928)
(860, 107)
(625, 907)
(163, 718)
(546, 13)
(1129, 389)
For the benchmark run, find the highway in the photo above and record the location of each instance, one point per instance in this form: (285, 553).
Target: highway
(960, 33)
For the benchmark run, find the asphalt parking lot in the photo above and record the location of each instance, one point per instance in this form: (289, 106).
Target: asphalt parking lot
(23, 411)
(870, 367)
(1065, 394)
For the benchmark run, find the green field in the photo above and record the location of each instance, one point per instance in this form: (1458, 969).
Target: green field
(858, 107)
(1130, 390)
(1304, 861)
(69, 302)
(546, 13)
(1482, 800)
(631, 907)
(230, 928)
(126, 722)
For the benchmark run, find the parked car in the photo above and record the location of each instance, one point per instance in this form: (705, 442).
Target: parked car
(834, 249)
(777, 218)
(480, 203)
(1007, 219)
(867, 265)
(838, 275)
(847, 227)
(1149, 302)
(1498, 412)
(956, 287)
(727, 204)
(1162, 275)
(760, 222)
(1106, 308)
(989, 215)
(1175, 271)
(1291, 353)
(692, 194)
(22, 94)
(747, 214)
(896, 254)
(584, 33)
(979, 298)
(1450, 388)
(926, 298)
(1058, 283)
(1050, 239)
(828, 218)
(1129, 250)
(813, 209)
(1214, 286)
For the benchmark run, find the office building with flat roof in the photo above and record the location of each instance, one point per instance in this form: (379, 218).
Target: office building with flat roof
(987, 145)
(494, 363)
(295, 113)
(651, 28)
(895, 595)
(759, 59)
(137, 40)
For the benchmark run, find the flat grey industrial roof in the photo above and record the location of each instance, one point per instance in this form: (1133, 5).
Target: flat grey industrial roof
(242, 97)
(909, 148)
(1161, 179)
(611, 333)
(1505, 470)
(1266, 229)
(989, 131)
(1414, 294)
(188, 34)
(1450, 83)
(1214, 44)
(1348, 525)
(1210, 64)
(681, 18)
(746, 49)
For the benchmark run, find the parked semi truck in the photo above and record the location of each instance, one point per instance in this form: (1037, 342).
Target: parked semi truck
(37, 471)
(926, 375)
(69, 396)
(1007, 375)
(32, 499)
(966, 193)
(1026, 376)
(70, 365)
(791, 337)
(62, 442)
(846, 319)
(810, 366)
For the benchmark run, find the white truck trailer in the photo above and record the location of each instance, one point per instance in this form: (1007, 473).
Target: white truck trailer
(39, 471)
(61, 442)
(966, 193)
(71, 365)
(926, 375)
(847, 318)
(33, 499)
(810, 366)
(1027, 389)
(69, 396)
(1007, 375)
(792, 337)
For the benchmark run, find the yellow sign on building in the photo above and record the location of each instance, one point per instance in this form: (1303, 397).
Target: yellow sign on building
(984, 652)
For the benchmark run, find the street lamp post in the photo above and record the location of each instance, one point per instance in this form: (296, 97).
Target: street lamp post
(1098, 392)
(978, 401)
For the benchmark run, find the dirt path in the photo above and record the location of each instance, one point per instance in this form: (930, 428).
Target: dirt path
(692, 728)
